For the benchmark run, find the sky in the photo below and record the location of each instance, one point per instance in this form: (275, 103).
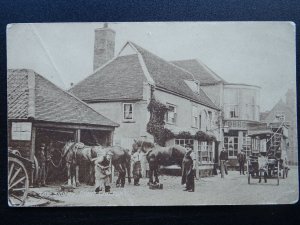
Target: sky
(258, 53)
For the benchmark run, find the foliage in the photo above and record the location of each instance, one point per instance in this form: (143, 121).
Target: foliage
(156, 123)
(156, 126)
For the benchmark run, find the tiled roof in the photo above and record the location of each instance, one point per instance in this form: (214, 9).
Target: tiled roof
(50, 103)
(200, 71)
(17, 94)
(171, 77)
(121, 79)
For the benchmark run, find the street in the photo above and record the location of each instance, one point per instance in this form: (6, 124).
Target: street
(233, 189)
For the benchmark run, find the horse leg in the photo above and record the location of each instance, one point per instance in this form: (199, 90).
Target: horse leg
(150, 176)
(123, 175)
(156, 175)
(77, 175)
(69, 173)
(117, 167)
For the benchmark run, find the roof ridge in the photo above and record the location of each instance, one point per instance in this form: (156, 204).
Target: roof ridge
(142, 63)
(76, 98)
(168, 62)
(210, 70)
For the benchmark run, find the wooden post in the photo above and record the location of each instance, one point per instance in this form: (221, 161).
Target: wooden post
(77, 135)
(197, 158)
(32, 153)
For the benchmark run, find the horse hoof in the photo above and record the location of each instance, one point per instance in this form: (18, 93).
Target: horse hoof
(77, 184)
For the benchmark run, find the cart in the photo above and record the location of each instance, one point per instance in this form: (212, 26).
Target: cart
(270, 142)
(18, 178)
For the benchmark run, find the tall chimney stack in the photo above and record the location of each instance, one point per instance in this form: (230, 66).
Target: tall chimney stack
(104, 47)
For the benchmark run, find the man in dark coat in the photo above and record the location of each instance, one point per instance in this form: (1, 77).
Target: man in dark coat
(41, 158)
(241, 157)
(188, 166)
(224, 159)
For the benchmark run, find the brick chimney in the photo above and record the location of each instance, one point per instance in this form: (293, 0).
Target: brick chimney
(104, 47)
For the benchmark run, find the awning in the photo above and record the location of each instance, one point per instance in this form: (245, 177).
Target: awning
(259, 132)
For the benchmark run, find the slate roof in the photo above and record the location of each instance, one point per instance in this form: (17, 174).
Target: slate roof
(121, 79)
(201, 72)
(47, 102)
(125, 75)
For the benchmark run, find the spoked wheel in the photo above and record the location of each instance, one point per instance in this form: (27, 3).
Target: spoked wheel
(18, 182)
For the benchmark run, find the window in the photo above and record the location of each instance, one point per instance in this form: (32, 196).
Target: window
(185, 142)
(233, 111)
(246, 144)
(231, 145)
(171, 114)
(194, 116)
(21, 131)
(209, 119)
(205, 152)
(200, 122)
(128, 111)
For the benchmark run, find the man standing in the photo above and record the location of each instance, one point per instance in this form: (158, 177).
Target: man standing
(241, 157)
(188, 166)
(137, 168)
(262, 166)
(223, 160)
(41, 158)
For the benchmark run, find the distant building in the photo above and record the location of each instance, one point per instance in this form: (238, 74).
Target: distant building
(286, 111)
(121, 90)
(239, 104)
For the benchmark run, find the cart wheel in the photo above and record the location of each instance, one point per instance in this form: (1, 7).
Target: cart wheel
(18, 182)
(248, 172)
(278, 172)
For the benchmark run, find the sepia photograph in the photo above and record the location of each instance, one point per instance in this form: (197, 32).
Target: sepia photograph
(151, 114)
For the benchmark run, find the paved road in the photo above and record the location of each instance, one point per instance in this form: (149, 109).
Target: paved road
(233, 189)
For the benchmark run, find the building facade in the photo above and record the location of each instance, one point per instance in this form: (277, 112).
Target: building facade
(239, 104)
(122, 87)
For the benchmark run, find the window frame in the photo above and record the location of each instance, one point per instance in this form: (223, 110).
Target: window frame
(132, 113)
(18, 131)
(174, 113)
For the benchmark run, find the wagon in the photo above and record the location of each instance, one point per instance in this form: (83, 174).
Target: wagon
(19, 169)
(272, 143)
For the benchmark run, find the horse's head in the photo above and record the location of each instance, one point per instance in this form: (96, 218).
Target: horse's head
(144, 146)
(67, 147)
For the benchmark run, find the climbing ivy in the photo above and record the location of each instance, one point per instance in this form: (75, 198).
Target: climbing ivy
(156, 126)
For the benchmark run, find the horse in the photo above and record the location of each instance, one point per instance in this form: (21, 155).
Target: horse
(77, 153)
(159, 156)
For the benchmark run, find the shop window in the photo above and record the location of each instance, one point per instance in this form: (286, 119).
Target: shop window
(205, 151)
(231, 145)
(171, 114)
(128, 111)
(246, 144)
(185, 142)
(21, 131)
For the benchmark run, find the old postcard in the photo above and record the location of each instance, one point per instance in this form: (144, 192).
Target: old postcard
(164, 113)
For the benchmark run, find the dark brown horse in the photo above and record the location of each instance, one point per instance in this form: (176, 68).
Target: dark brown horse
(75, 154)
(159, 156)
